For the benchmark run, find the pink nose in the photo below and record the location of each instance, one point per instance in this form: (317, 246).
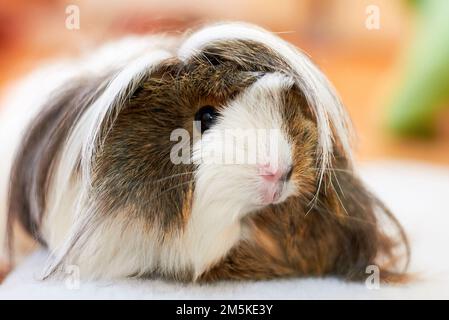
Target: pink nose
(275, 173)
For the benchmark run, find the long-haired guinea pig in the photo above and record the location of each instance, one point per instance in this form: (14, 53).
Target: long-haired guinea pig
(221, 154)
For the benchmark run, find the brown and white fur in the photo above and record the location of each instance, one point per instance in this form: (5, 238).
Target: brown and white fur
(87, 168)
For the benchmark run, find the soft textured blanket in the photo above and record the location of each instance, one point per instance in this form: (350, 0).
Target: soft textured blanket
(418, 194)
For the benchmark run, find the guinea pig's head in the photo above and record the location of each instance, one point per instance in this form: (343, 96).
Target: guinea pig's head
(230, 123)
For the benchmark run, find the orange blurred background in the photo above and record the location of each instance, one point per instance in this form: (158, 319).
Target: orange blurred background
(363, 64)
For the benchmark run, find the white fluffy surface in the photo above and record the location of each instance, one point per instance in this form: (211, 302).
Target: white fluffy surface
(417, 193)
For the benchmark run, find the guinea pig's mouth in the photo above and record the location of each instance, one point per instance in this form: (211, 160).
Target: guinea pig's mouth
(275, 184)
(274, 195)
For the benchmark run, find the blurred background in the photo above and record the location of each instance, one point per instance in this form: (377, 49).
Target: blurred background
(389, 60)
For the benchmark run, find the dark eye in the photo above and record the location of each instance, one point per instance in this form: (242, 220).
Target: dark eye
(206, 117)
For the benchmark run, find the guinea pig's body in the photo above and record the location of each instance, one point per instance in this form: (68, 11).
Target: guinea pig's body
(123, 168)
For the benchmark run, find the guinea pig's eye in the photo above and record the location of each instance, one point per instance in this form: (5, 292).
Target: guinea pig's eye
(206, 117)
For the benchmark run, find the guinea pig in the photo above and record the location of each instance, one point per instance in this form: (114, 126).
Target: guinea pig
(221, 154)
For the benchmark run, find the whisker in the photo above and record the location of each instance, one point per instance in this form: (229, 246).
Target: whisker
(172, 176)
(176, 186)
(333, 169)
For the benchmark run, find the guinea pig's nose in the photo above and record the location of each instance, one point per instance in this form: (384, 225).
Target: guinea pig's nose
(274, 174)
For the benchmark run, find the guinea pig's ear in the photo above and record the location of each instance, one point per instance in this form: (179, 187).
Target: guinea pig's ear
(360, 222)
